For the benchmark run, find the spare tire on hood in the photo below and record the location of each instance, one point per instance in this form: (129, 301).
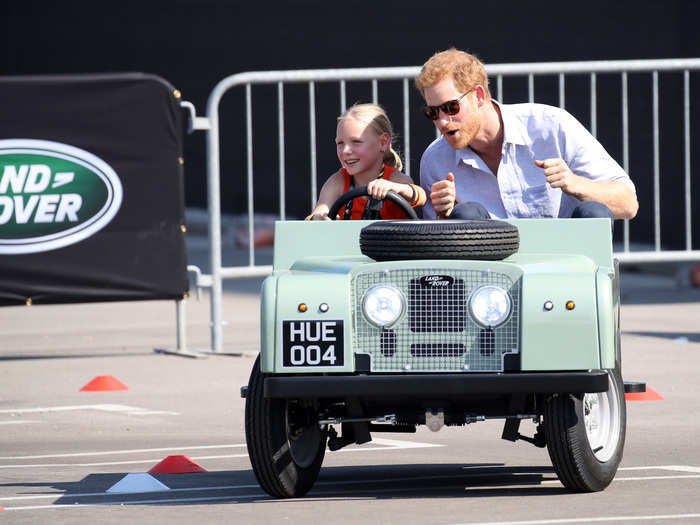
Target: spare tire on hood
(483, 239)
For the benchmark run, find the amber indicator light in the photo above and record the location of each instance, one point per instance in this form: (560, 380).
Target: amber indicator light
(570, 305)
(302, 307)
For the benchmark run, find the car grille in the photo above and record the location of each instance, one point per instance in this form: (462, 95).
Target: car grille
(437, 308)
(437, 332)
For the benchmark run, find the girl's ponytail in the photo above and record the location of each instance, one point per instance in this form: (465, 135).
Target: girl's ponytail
(392, 158)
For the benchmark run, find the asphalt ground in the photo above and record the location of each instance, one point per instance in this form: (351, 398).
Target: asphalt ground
(61, 449)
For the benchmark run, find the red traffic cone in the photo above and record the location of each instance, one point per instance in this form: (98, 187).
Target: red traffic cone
(104, 384)
(177, 464)
(649, 395)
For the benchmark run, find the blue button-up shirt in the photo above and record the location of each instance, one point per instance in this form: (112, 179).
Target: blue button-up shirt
(519, 189)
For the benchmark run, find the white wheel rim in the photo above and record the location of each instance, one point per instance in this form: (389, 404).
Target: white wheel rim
(601, 418)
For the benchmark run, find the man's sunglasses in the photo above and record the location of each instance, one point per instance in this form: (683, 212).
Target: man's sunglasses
(451, 107)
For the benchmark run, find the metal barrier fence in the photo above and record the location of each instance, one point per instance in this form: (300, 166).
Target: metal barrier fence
(496, 72)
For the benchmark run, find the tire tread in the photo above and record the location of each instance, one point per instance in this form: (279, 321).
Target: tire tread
(407, 240)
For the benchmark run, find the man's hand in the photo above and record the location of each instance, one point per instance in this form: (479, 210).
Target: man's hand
(616, 195)
(559, 175)
(442, 196)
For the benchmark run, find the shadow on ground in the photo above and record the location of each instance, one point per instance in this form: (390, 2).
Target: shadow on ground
(369, 482)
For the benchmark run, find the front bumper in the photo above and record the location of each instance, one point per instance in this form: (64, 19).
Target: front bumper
(434, 385)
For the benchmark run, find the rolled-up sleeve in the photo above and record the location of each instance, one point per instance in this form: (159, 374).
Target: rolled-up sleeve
(586, 157)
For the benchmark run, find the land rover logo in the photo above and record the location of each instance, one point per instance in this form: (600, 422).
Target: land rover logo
(436, 281)
(52, 195)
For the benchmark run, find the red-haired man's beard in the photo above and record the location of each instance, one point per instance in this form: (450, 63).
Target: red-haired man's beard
(460, 134)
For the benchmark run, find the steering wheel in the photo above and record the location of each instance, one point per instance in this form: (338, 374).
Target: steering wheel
(362, 191)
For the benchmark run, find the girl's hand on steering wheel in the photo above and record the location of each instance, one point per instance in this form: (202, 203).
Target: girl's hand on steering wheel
(378, 188)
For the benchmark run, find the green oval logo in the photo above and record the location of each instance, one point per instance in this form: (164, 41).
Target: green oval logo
(52, 195)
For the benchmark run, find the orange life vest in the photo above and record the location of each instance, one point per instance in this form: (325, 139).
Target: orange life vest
(358, 204)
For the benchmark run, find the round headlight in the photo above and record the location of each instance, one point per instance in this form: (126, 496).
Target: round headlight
(490, 306)
(383, 305)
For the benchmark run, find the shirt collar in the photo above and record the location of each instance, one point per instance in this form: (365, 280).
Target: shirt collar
(514, 132)
(466, 155)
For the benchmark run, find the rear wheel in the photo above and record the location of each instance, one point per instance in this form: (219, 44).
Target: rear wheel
(285, 444)
(585, 435)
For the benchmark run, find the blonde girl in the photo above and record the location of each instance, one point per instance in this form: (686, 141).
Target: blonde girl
(363, 144)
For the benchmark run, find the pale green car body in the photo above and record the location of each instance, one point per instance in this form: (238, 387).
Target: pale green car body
(559, 260)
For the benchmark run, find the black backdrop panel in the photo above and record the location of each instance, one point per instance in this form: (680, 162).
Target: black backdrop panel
(91, 189)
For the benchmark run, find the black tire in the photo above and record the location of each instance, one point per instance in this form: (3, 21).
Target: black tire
(285, 462)
(586, 458)
(450, 239)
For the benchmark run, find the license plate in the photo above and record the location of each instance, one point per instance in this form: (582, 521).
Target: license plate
(312, 343)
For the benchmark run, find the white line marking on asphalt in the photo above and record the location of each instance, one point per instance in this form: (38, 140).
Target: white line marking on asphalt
(152, 461)
(125, 451)
(18, 422)
(690, 476)
(152, 413)
(642, 478)
(679, 468)
(388, 444)
(585, 520)
(103, 407)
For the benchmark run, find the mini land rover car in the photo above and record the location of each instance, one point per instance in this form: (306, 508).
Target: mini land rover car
(383, 326)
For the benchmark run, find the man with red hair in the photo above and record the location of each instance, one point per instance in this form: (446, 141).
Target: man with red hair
(498, 160)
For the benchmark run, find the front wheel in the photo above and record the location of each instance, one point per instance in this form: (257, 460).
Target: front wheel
(585, 435)
(285, 444)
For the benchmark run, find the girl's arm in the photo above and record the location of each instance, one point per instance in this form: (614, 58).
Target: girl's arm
(331, 190)
(401, 184)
